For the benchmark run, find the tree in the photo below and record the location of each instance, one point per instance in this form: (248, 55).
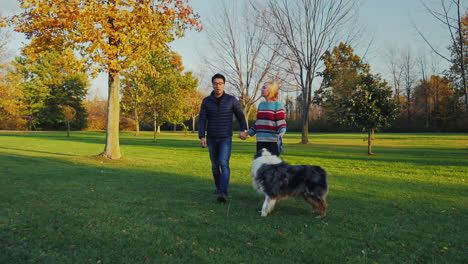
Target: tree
(459, 57)
(450, 15)
(342, 69)
(370, 107)
(11, 103)
(244, 51)
(96, 109)
(436, 97)
(193, 106)
(133, 96)
(394, 66)
(340, 76)
(112, 34)
(50, 81)
(185, 86)
(69, 114)
(162, 97)
(307, 28)
(408, 65)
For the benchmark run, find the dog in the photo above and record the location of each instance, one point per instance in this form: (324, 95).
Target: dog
(276, 179)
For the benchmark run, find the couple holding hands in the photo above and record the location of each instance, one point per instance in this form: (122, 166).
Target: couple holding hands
(215, 128)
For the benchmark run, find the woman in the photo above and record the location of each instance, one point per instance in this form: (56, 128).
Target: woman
(271, 123)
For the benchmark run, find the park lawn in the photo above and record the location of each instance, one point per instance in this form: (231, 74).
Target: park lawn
(60, 203)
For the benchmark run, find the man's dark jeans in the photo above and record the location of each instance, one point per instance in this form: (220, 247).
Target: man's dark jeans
(220, 153)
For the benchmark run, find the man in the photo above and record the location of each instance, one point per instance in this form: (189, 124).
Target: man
(216, 119)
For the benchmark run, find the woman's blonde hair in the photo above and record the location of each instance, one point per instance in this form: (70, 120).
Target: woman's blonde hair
(272, 90)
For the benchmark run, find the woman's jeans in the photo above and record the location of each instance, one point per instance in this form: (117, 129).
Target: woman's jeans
(220, 153)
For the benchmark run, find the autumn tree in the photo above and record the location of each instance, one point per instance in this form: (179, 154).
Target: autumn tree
(133, 100)
(370, 106)
(11, 102)
(97, 113)
(69, 114)
(11, 105)
(110, 34)
(307, 29)
(450, 15)
(194, 101)
(436, 101)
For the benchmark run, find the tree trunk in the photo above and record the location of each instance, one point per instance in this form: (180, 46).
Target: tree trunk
(461, 44)
(426, 103)
(193, 124)
(154, 129)
(305, 123)
(112, 148)
(68, 128)
(370, 135)
(137, 123)
(159, 129)
(408, 105)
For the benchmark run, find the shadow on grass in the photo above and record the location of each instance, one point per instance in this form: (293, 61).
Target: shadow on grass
(183, 141)
(37, 151)
(54, 210)
(414, 155)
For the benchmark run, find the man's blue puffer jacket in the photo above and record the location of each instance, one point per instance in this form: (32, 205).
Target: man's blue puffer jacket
(216, 116)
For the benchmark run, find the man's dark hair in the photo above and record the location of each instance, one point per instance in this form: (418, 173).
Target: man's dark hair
(218, 76)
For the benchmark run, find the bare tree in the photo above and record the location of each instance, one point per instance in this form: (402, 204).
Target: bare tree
(408, 65)
(422, 63)
(243, 51)
(450, 15)
(307, 28)
(394, 66)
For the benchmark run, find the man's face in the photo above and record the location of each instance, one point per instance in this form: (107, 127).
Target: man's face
(218, 87)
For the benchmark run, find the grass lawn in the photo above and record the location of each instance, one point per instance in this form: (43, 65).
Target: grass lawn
(59, 203)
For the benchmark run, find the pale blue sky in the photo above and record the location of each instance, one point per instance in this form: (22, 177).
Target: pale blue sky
(389, 23)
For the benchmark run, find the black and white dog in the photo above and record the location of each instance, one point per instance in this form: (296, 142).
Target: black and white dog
(276, 179)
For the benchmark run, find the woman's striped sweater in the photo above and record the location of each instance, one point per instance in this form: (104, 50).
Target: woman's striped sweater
(271, 121)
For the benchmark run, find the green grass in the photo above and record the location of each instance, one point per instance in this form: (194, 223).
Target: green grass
(59, 203)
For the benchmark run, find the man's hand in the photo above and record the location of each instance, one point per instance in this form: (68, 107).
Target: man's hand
(281, 134)
(203, 142)
(243, 135)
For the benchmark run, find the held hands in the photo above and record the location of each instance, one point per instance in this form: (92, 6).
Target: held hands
(243, 135)
(203, 142)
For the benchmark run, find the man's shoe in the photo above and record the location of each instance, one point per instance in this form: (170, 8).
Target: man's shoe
(222, 198)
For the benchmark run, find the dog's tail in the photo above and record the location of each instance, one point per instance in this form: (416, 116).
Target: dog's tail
(317, 189)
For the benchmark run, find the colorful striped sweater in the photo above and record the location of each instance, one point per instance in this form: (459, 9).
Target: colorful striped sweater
(271, 121)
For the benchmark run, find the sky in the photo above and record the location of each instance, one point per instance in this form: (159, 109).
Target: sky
(387, 24)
